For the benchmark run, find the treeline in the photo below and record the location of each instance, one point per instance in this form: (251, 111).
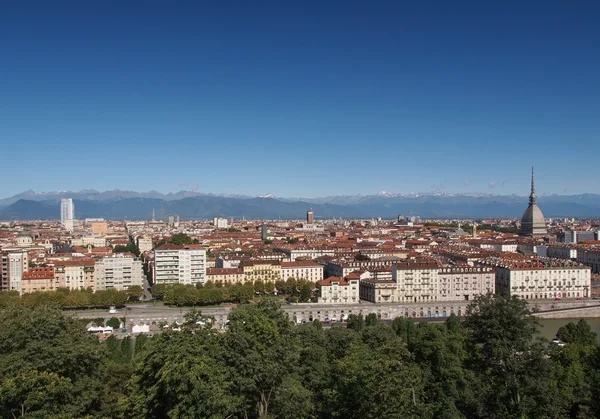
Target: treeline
(216, 293)
(66, 298)
(491, 365)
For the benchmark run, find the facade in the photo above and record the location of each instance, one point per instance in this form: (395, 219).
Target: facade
(85, 241)
(378, 290)
(336, 290)
(543, 279)
(38, 280)
(67, 212)
(75, 274)
(227, 276)
(179, 264)
(262, 270)
(533, 222)
(590, 257)
(99, 227)
(306, 270)
(310, 216)
(173, 220)
(14, 265)
(220, 222)
(416, 281)
(145, 244)
(307, 252)
(465, 283)
(119, 271)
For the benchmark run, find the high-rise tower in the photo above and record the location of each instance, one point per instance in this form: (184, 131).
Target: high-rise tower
(533, 222)
(67, 210)
(310, 216)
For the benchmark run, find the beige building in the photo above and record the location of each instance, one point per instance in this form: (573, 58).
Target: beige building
(99, 227)
(225, 275)
(336, 290)
(119, 271)
(144, 243)
(465, 283)
(38, 280)
(14, 265)
(378, 290)
(416, 281)
(262, 270)
(543, 279)
(75, 274)
(85, 241)
(306, 270)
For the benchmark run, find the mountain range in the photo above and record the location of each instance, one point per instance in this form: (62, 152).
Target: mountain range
(117, 204)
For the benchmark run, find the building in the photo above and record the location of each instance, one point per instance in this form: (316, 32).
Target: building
(465, 283)
(179, 264)
(543, 279)
(144, 244)
(590, 257)
(67, 210)
(85, 241)
(99, 227)
(220, 222)
(38, 280)
(75, 274)
(576, 236)
(226, 276)
(261, 270)
(417, 281)
(264, 232)
(173, 221)
(378, 290)
(306, 270)
(310, 216)
(337, 290)
(14, 265)
(119, 271)
(533, 222)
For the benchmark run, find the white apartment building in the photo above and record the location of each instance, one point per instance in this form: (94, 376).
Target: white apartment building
(119, 271)
(335, 290)
(543, 279)
(67, 210)
(306, 270)
(144, 243)
(85, 241)
(566, 252)
(307, 252)
(14, 264)
(465, 283)
(416, 281)
(220, 222)
(179, 264)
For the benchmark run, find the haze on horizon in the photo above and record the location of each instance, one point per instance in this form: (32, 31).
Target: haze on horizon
(300, 100)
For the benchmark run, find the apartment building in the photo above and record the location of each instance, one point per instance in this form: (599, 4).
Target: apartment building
(306, 270)
(262, 270)
(465, 283)
(225, 275)
(145, 244)
(38, 280)
(119, 271)
(543, 279)
(337, 290)
(590, 257)
(75, 274)
(14, 265)
(417, 281)
(179, 264)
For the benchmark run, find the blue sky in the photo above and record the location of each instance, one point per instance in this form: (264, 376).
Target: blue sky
(303, 99)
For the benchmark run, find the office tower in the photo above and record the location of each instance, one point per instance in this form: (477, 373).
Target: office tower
(67, 210)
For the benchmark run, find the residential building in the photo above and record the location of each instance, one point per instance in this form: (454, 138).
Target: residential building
(179, 264)
(543, 279)
(226, 276)
(75, 274)
(417, 281)
(306, 270)
(14, 265)
(262, 270)
(590, 257)
(38, 280)
(337, 290)
(119, 271)
(465, 283)
(99, 227)
(144, 243)
(220, 222)
(378, 290)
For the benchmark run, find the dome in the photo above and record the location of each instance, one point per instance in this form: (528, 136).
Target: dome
(533, 222)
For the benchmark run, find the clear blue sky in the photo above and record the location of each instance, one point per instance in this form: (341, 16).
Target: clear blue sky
(305, 98)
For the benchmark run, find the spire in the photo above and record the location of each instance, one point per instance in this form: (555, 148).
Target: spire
(532, 197)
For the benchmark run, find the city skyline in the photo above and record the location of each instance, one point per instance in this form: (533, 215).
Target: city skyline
(300, 100)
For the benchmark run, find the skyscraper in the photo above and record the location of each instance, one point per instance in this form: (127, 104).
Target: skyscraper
(67, 210)
(310, 216)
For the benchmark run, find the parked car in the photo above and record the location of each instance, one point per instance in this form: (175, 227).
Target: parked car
(113, 310)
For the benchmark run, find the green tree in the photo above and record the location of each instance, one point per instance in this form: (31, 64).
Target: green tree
(356, 322)
(371, 319)
(181, 239)
(113, 322)
(134, 293)
(579, 334)
(159, 291)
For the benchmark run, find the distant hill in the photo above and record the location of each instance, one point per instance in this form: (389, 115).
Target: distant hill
(193, 205)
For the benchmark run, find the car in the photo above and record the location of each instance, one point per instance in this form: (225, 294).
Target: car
(580, 298)
(113, 310)
(557, 299)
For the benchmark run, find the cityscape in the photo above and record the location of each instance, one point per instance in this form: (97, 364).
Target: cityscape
(299, 210)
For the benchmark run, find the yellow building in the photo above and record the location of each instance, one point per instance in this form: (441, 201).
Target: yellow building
(226, 276)
(37, 280)
(262, 270)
